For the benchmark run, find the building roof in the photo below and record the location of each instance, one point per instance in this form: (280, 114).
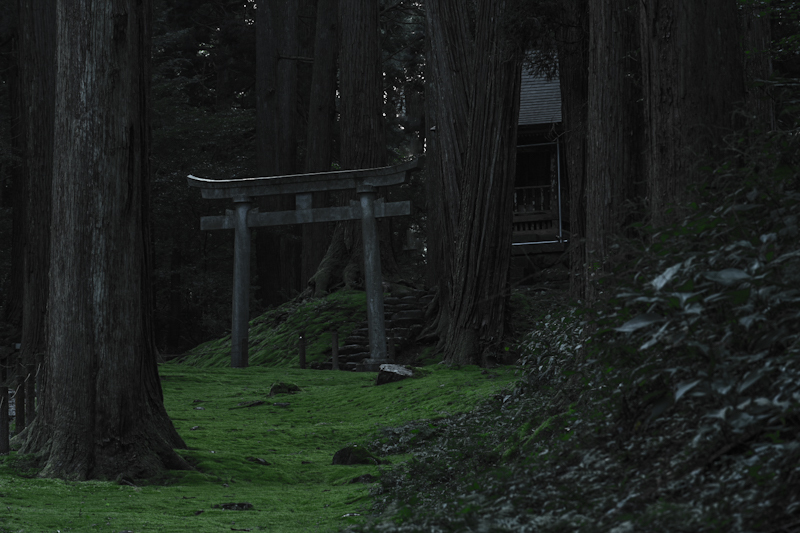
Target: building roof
(540, 100)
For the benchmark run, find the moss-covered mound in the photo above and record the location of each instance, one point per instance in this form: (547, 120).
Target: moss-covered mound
(274, 336)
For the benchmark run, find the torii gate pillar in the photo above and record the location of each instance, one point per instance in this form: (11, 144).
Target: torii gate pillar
(241, 282)
(373, 279)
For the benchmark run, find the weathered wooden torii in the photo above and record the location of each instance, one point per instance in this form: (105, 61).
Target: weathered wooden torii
(244, 216)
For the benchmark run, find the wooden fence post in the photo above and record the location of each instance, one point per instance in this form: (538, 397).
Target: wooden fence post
(302, 346)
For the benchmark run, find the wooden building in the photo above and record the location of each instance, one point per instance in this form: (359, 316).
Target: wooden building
(540, 191)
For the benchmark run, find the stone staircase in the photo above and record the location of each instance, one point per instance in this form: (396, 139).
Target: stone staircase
(405, 317)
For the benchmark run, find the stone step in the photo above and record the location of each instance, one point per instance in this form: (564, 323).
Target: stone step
(356, 358)
(405, 322)
(407, 307)
(417, 314)
(399, 333)
(362, 340)
(349, 349)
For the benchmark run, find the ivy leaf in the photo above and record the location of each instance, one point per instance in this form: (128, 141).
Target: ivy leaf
(749, 320)
(728, 276)
(655, 338)
(684, 296)
(717, 414)
(659, 408)
(666, 276)
(640, 322)
(685, 387)
(787, 256)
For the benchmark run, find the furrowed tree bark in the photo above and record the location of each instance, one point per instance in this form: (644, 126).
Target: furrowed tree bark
(12, 306)
(363, 142)
(362, 137)
(757, 66)
(102, 412)
(278, 250)
(573, 64)
(447, 105)
(615, 120)
(37, 99)
(472, 106)
(692, 78)
(483, 238)
(321, 124)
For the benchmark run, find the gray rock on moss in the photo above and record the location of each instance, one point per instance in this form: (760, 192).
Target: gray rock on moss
(355, 455)
(391, 373)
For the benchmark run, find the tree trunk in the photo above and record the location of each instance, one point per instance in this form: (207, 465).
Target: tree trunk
(12, 306)
(277, 249)
(363, 143)
(614, 134)
(102, 414)
(37, 98)
(173, 341)
(573, 62)
(362, 137)
(447, 104)
(321, 123)
(757, 66)
(473, 105)
(692, 78)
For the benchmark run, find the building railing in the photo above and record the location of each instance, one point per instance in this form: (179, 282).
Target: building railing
(537, 212)
(535, 198)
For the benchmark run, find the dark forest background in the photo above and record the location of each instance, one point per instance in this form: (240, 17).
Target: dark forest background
(204, 123)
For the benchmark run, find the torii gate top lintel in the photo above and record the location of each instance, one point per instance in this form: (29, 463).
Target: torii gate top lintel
(304, 183)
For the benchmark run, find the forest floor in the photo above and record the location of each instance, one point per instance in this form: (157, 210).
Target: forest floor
(274, 453)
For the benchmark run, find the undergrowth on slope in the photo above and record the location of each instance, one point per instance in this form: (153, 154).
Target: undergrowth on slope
(669, 405)
(274, 336)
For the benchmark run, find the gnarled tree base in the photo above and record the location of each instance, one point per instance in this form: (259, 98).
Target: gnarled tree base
(343, 263)
(145, 452)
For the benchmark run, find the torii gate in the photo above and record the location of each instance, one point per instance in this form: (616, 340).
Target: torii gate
(243, 217)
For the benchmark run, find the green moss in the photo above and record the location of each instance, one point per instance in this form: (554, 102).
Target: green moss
(274, 336)
(429, 356)
(298, 489)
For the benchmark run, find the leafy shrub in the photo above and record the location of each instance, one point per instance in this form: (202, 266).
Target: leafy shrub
(669, 405)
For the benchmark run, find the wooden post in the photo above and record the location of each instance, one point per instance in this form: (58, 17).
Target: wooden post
(241, 284)
(373, 281)
(335, 350)
(302, 347)
(4, 436)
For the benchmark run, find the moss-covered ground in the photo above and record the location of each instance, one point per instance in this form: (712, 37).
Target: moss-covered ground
(275, 455)
(274, 336)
